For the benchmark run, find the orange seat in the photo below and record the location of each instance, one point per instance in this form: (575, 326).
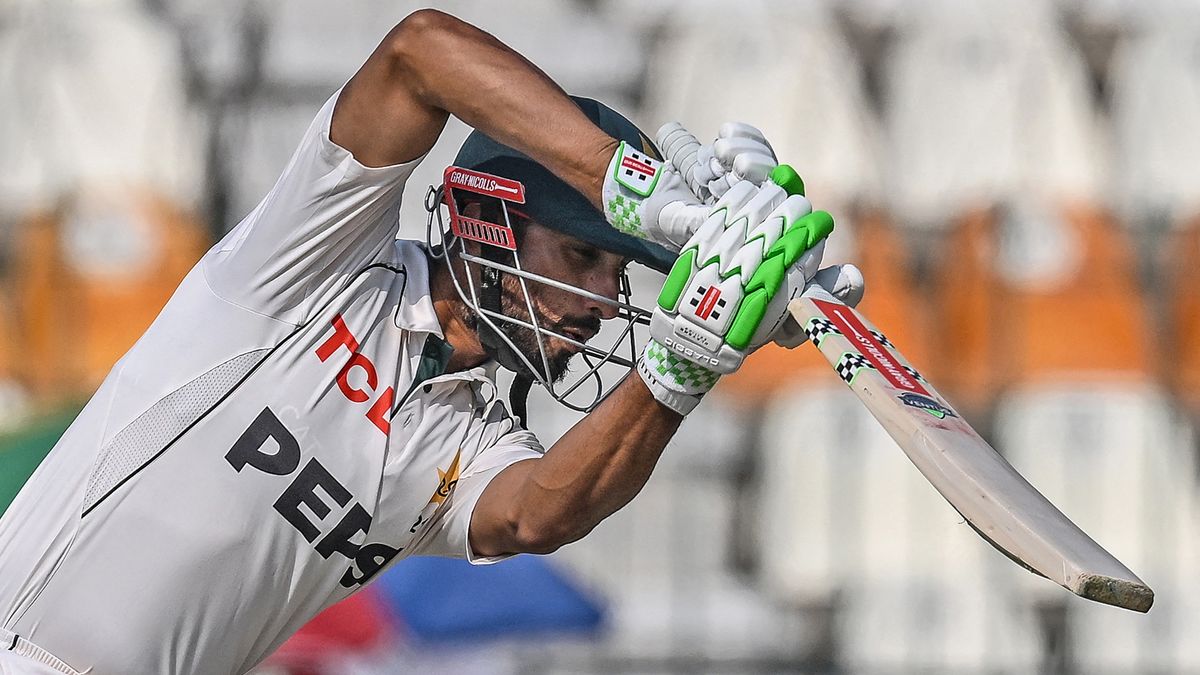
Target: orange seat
(994, 333)
(1096, 323)
(1181, 353)
(44, 339)
(892, 301)
(74, 320)
(965, 297)
(889, 303)
(8, 346)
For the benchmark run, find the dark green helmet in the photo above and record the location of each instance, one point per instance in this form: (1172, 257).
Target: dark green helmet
(558, 206)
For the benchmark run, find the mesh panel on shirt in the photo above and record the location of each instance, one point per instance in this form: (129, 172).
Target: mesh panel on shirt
(150, 432)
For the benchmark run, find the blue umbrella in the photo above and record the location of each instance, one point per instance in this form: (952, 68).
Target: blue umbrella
(442, 599)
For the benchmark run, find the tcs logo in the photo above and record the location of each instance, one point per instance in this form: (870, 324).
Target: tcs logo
(382, 405)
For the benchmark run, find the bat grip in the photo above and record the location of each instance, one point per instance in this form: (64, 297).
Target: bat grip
(816, 291)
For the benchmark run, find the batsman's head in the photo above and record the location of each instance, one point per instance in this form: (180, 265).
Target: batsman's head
(538, 267)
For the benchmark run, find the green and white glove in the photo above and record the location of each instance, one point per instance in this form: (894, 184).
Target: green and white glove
(742, 153)
(728, 291)
(739, 152)
(648, 198)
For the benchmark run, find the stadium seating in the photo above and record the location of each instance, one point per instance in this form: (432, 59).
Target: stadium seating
(986, 102)
(969, 179)
(815, 114)
(14, 397)
(950, 625)
(847, 523)
(1155, 94)
(1180, 356)
(669, 595)
(1083, 419)
(100, 160)
(965, 303)
(93, 96)
(1116, 460)
(90, 278)
(1029, 294)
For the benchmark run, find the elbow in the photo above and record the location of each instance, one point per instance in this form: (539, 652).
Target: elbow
(420, 39)
(537, 539)
(542, 537)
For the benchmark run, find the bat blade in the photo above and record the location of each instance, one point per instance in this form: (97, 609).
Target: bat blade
(991, 495)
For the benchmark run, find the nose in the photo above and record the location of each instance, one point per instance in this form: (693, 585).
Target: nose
(605, 285)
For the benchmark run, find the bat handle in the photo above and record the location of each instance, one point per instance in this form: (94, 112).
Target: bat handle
(816, 291)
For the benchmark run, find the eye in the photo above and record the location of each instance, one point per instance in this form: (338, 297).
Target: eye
(585, 253)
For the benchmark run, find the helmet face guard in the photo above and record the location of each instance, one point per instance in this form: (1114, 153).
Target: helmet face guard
(499, 256)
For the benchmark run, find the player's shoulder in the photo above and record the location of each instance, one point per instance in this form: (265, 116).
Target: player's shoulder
(413, 265)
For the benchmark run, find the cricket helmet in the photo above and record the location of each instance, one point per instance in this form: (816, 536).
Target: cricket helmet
(512, 183)
(558, 206)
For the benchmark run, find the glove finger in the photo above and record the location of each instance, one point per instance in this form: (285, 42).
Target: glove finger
(680, 222)
(784, 331)
(754, 167)
(709, 162)
(743, 130)
(720, 186)
(764, 201)
(805, 268)
(789, 335)
(673, 139)
(727, 150)
(844, 282)
(792, 209)
(680, 147)
(735, 198)
(786, 177)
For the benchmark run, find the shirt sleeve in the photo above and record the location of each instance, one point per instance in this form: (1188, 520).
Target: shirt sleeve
(448, 533)
(326, 218)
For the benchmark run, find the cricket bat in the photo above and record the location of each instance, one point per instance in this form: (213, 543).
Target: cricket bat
(991, 495)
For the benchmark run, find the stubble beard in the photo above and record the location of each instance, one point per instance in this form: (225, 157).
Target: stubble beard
(523, 338)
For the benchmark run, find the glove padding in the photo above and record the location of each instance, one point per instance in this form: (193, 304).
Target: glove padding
(739, 153)
(647, 198)
(742, 153)
(844, 282)
(755, 252)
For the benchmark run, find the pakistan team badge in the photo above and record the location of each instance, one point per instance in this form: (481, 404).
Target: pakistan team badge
(927, 404)
(446, 480)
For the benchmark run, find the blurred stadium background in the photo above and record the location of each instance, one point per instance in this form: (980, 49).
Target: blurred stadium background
(1019, 180)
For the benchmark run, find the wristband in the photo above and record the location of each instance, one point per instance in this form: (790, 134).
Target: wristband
(674, 381)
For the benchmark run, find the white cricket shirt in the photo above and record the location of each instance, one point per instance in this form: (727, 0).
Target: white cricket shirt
(258, 454)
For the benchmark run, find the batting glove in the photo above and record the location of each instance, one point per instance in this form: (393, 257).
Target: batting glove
(647, 198)
(740, 152)
(728, 291)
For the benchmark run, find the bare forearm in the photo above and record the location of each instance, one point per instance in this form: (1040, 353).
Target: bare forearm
(432, 65)
(592, 471)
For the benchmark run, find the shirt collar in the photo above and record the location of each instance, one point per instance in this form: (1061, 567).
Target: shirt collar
(415, 311)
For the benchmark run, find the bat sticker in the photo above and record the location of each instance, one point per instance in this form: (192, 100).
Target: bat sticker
(850, 365)
(865, 341)
(818, 328)
(927, 404)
